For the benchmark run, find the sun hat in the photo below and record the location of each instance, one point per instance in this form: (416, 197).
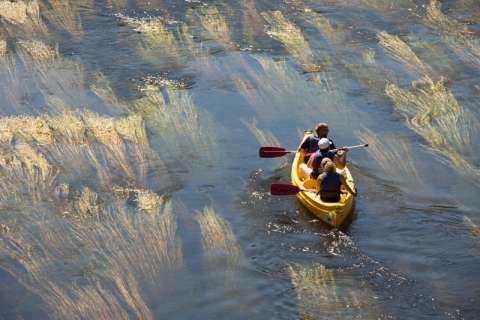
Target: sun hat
(324, 143)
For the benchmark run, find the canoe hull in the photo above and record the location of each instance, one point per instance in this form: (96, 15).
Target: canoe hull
(332, 213)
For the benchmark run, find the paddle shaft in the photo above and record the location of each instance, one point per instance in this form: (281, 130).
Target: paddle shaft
(274, 152)
(286, 189)
(364, 145)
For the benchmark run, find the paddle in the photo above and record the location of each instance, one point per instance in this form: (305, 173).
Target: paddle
(286, 189)
(275, 152)
(363, 145)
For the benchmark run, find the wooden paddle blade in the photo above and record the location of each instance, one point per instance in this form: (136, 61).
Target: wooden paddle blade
(272, 152)
(283, 189)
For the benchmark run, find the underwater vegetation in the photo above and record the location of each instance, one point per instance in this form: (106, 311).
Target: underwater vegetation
(322, 293)
(292, 39)
(22, 17)
(271, 87)
(59, 81)
(431, 110)
(403, 54)
(116, 280)
(265, 138)
(156, 43)
(62, 15)
(214, 26)
(252, 22)
(393, 155)
(456, 35)
(41, 152)
(222, 251)
(172, 115)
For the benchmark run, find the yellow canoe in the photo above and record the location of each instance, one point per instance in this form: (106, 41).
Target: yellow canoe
(333, 213)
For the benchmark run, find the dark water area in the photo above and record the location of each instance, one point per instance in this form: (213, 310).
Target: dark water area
(180, 223)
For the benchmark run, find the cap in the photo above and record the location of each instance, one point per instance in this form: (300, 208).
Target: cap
(324, 143)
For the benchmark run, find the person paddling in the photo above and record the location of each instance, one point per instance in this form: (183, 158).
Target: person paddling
(310, 144)
(313, 166)
(331, 182)
(316, 158)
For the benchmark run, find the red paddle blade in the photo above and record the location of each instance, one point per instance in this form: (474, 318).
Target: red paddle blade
(283, 189)
(272, 152)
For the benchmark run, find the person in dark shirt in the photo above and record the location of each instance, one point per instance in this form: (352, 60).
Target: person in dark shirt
(310, 145)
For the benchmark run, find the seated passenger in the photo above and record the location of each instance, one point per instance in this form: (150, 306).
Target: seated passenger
(316, 158)
(312, 168)
(330, 183)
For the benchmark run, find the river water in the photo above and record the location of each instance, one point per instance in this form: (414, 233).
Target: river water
(132, 186)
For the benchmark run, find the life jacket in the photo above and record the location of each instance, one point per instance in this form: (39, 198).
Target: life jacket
(313, 146)
(318, 156)
(330, 187)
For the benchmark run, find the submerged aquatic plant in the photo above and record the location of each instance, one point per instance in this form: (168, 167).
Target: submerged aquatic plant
(117, 4)
(252, 21)
(27, 129)
(273, 87)
(25, 175)
(320, 294)
(435, 18)
(432, 111)
(392, 154)
(456, 35)
(14, 89)
(153, 37)
(382, 6)
(173, 116)
(74, 146)
(215, 25)
(86, 205)
(73, 128)
(369, 56)
(371, 74)
(15, 12)
(149, 201)
(122, 258)
(402, 53)
(222, 251)
(102, 87)
(34, 52)
(59, 80)
(467, 48)
(22, 17)
(265, 138)
(61, 14)
(3, 48)
(19, 12)
(334, 34)
(292, 38)
(93, 300)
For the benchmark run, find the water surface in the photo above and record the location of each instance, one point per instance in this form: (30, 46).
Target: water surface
(131, 182)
